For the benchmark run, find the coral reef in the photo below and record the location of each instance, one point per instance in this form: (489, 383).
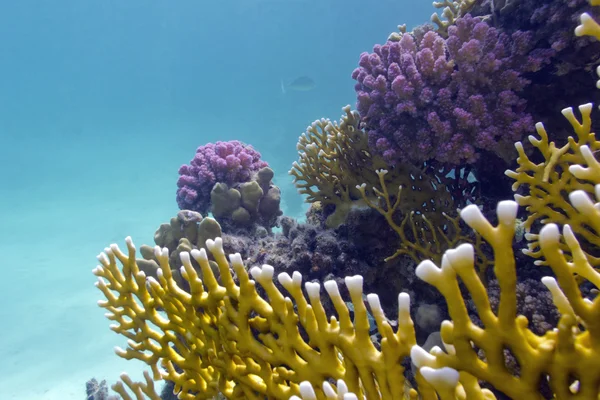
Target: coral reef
(222, 162)
(431, 102)
(234, 341)
(424, 235)
(550, 25)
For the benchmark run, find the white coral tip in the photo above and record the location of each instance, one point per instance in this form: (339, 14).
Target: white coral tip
(586, 108)
(445, 377)
(567, 111)
(328, 390)
(235, 258)
(342, 387)
(332, 289)
(507, 212)
(255, 272)
(312, 289)
(404, 304)
(463, 254)
(297, 278)
(306, 391)
(210, 245)
(184, 256)
(549, 233)
(200, 255)
(119, 351)
(374, 303)
(284, 279)
(581, 201)
(471, 214)
(420, 357)
(102, 257)
(427, 270)
(267, 271)
(354, 284)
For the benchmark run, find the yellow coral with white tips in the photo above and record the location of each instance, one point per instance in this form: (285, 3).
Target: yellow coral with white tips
(588, 27)
(226, 338)
(341, 392)
(545, 183)
(569, 356)
(592, 171)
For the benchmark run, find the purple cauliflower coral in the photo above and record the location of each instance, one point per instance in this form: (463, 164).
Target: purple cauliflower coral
(428, 98)
(223, 162)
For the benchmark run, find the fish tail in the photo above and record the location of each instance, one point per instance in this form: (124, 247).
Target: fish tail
(282, 87)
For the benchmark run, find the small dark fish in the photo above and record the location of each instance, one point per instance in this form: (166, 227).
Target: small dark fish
(300, 84)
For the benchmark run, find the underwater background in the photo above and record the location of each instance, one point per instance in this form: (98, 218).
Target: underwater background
(100, 104)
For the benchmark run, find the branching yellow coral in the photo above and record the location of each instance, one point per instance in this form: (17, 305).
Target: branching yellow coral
(227, 338)
(588, 26)
(335, 158)
(141, 390)
(569, 356)
(424, 235)
(547, 183)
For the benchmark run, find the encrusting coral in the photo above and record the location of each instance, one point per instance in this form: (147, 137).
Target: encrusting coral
(249, 204)
(185, 232)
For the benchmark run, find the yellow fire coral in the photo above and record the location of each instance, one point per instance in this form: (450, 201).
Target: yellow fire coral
(335, 158)
(567, 357)
(227, 338)
(547, 182)
(426, 235)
